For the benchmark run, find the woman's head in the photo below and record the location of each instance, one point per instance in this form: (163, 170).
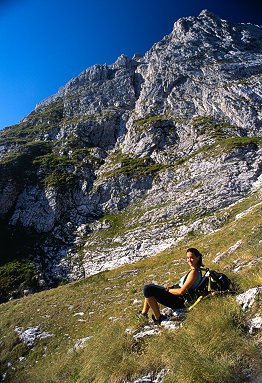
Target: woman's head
(196, 257)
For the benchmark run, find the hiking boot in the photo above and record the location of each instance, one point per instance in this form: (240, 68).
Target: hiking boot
(160, 319)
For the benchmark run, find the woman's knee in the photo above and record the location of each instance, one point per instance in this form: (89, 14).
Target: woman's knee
(148, 291)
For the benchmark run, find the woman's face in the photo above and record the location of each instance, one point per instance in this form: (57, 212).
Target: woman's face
(192, 260)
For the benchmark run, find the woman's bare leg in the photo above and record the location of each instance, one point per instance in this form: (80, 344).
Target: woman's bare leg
(146, 307)
(151, 302)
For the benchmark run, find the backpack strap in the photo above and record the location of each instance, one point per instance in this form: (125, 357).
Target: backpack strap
(195, 303)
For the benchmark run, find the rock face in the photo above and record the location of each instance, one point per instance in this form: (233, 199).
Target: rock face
(128, 158)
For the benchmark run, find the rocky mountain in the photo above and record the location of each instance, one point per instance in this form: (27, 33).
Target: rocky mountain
(127, 159)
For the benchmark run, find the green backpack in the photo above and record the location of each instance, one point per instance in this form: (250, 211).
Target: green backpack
(211, 282)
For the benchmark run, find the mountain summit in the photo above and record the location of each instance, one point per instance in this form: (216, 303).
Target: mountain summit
(127, 159)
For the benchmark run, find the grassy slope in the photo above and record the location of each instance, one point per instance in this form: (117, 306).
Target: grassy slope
(212, 346)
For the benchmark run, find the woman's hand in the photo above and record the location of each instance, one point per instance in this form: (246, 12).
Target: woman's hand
(167, 287)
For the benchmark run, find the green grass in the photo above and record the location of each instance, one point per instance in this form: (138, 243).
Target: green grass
(118, 224)
(26, 149)
(223, 145)
(38, 122)
(60, 179)
(228, 144)
(16, 275)
(18, 165)
(62, 170)
(214, 129)
(132, 167)
(58, 169)
(213, 345)
(150, 120)
(219, 344)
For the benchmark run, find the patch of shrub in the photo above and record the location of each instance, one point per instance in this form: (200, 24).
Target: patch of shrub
(150, 120)
(16, 276)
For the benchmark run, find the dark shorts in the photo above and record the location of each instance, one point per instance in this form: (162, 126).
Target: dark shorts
(164, 297)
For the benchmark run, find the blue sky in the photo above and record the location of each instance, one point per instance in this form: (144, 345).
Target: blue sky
(43, 44)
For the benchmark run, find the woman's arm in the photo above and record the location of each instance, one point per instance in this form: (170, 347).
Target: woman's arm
(191, 278)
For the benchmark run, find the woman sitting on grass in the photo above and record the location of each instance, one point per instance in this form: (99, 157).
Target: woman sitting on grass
(173, 296)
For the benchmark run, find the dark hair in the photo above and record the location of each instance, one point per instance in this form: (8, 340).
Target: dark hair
(197, 254)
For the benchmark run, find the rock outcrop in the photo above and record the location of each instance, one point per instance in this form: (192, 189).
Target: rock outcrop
(128, 158)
